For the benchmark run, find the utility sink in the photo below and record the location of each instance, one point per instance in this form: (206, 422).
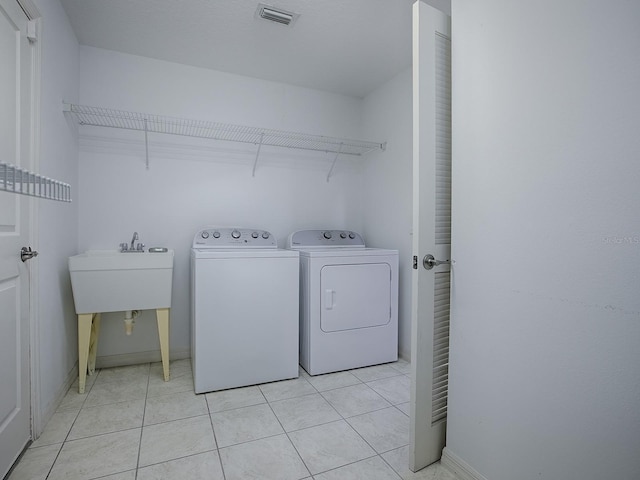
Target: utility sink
(110, 281)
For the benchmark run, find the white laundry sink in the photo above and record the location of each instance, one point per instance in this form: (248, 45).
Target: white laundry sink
(110, 281)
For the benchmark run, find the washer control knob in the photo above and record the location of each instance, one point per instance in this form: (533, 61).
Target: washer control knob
(205, 234)
(265, 235)
(216, 234)
(235, 234)
(352, 235)
(254, 235)
(327, 235)
(343, 235)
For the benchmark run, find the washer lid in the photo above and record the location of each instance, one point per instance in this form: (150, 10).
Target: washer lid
(233, 237)
(324, 239)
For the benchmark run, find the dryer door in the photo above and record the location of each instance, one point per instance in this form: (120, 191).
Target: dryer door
(355, 296)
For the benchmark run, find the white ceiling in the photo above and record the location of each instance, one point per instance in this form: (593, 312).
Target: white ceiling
(342, 46)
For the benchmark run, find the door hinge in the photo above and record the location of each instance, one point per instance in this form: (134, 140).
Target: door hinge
(32, 32)
(415, 262)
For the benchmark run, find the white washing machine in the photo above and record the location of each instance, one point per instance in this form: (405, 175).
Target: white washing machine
(348, 301)
(244, 309)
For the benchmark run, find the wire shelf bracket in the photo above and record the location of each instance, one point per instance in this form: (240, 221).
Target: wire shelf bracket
(334, 163)
(149, 123)
(255, 163)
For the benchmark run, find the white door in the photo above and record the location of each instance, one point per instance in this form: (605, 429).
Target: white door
(431, 233)
(15, 141)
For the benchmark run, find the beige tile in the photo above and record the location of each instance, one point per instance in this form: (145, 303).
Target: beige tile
(88, 382)
(368, 374)
(304, 412)
(402, 366)
(370, 469)
(272, 458)
(384, 429)
(171, 440)
(287, 389)
(57, 428)
(174, 407)
(36, 463)
(99, 456)
(355, 400)
(125, 374)
(244, 424)
(73, 400)
(116, 392)
(108, 418)
(330, 446)
(234, 398)
(130, 475)
(395, 390)
(177, 368)
(399, 461)
(404, 408)
(331, 381)
(195, 467)
(177, 364)
(442, 472)
(179, 381)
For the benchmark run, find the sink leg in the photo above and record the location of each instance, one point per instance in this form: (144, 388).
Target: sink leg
(93, 343)
(162, 315)
(84, 333)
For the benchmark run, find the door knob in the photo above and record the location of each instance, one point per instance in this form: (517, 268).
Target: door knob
(26, 253)
(429, 261)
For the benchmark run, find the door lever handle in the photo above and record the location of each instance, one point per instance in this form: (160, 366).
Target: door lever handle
(429, 261)
(26, 253)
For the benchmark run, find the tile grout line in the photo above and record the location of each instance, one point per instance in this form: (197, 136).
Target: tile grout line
(342, 418)
(354, 462)
(144, 411)
(270, 403)
(70, 428)
(282, 426)
(345, 419)
(391, 466)
(215, 439)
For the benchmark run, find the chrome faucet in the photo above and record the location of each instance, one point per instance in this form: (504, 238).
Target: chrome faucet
(124, 247)
(133, 240)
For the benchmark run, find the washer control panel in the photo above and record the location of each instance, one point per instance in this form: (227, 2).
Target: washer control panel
(324, 239)
(233, 237)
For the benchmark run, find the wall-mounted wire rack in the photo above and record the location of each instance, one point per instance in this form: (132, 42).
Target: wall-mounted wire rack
(106, 117)
(16, 180)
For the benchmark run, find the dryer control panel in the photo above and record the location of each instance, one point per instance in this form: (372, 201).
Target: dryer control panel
(233, 237)
(324, 239)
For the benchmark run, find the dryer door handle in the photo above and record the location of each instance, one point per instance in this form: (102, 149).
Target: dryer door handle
(329, 299)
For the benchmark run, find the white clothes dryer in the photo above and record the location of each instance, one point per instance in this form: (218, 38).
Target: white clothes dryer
(244, 309)
(348, 301)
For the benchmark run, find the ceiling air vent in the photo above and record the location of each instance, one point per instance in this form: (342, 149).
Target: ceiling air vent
(277, 15)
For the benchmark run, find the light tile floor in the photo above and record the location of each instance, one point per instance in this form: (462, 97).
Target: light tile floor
(131, 425)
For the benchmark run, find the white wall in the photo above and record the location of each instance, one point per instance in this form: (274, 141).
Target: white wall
(56, 224)
(387, 186)
(544, 378)
(194, 183)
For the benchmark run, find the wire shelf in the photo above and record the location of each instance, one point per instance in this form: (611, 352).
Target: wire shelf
(16, 180)
(106, 117)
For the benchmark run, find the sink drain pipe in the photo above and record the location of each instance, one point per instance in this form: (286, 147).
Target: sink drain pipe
(129, 317)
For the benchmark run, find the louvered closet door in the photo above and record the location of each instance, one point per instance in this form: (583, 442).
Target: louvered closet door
(431, 233)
